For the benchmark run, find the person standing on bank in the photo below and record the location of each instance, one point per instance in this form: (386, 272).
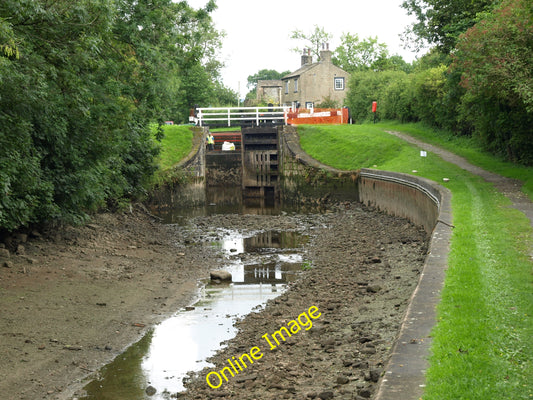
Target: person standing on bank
(211, 141)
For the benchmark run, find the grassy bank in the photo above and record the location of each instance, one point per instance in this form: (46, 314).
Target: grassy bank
(175, 145)
(482, 346)
(468, 148)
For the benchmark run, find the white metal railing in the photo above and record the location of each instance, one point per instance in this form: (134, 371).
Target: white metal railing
(229, 114)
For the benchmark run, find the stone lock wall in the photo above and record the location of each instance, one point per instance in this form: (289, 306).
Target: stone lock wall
(414, 198)
(411, 197)
(305, 180)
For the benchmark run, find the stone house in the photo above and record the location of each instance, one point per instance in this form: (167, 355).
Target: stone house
(269, 91)
(313, 83)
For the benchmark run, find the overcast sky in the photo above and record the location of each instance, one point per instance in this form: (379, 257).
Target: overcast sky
(258, 32)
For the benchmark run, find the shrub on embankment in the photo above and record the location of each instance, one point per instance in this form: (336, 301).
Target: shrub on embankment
(482, 346)
(482, 89)
(80, 82)
(176, 144)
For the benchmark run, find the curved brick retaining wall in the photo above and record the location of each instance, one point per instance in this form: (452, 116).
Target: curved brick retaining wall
(411, 197)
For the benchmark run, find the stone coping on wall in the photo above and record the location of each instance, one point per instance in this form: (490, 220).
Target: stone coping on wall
(404, 376)
(430, 188)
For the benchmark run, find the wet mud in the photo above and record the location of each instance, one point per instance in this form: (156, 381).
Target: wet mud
(362, 269)
(78, 297)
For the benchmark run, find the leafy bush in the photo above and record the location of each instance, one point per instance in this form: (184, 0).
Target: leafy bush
(494, 61)
(397, 99)
(429, 92)
(483, 89)
(391, 89)
(80, 83)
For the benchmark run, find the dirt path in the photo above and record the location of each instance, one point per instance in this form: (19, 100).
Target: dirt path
(509, 187)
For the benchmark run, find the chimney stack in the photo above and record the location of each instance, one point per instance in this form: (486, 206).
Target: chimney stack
(325, 54)
(307, 58)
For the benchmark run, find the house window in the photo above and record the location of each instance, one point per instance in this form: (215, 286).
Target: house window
(287, 87)
(295, 85)
(339, 83)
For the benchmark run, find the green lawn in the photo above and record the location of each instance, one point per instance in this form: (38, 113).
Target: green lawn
(175, 145)
(467, 148)
(482, 346)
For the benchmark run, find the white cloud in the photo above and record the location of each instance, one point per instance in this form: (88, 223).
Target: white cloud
(257, 33)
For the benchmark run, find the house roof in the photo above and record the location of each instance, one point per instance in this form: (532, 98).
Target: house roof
(305, 68)
(301, 70)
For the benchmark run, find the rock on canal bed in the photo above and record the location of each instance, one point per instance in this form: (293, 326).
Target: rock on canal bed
(220, 275)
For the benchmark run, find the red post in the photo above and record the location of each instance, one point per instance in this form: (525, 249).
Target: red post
(374, 109)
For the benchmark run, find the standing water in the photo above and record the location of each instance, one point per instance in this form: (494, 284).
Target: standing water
(261, 266)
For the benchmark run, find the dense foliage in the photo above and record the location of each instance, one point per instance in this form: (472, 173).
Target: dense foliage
(440, 22)
(483, 88)
(495, 63)
(80, 81)
(355, 54)
(313, 40)
(265, 75)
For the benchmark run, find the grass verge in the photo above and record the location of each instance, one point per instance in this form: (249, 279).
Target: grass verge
(482, 347)
(175, 145)
(468, 148)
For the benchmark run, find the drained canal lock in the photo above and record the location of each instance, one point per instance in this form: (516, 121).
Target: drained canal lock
(352, 266)
(261, 265)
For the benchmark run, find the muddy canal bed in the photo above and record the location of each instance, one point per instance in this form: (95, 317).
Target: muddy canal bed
(78, 297)
(327, 316)
(261, 264)
(363, 268)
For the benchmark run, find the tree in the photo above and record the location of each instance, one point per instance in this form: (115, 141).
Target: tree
(171, 40)
(395, 63)
(440, 22)
(224, 96)
(313, 40)
(359, 55)
(80, 82)
(429, 91)
(397, 99)
(265, 75)
(368, 86)
(494, 61)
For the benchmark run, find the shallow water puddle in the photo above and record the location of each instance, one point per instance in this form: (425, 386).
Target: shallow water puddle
(261, 267)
